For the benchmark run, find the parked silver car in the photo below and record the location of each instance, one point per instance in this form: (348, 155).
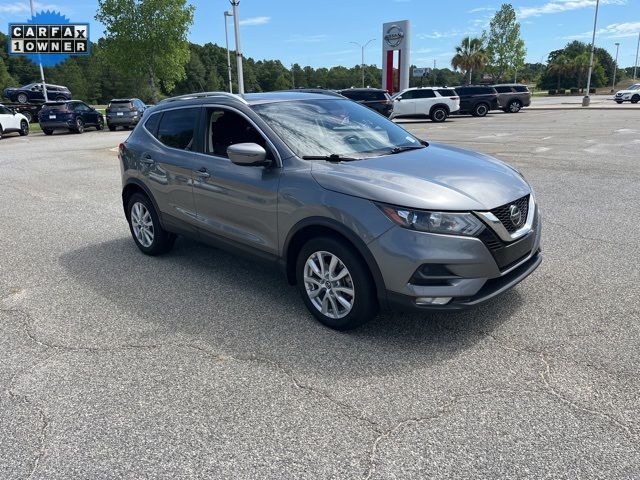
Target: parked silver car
(359, 213)
(513, 97)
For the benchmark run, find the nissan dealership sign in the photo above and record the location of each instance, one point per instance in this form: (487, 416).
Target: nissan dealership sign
(396, 37)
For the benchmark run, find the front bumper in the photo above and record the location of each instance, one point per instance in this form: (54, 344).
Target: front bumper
(466, 269)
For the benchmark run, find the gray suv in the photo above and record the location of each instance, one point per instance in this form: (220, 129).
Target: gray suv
(357, 212)
(513, 97)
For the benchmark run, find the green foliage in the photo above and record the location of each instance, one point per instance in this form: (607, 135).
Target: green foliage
(6, 80)
(505, 48)
(470, 55)
(568, 67)
(147, 39)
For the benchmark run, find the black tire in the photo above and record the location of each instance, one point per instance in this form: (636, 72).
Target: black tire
(438, 114)
(480, 110)
(61, 99)
(364, 301)
(22, 98)
(47, 131)
(27, 116)
(162, 240)
(100, 124)
(635, 99)
(79, 128)
(24, 128)
(1, 132)
(619, 102)
(112, 128)
(514, 106)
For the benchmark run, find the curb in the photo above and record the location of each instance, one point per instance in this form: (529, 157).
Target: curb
(580, 107)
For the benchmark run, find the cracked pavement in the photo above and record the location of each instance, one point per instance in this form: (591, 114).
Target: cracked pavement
(199, 364)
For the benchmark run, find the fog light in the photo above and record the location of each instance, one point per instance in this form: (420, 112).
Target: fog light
(432, 300)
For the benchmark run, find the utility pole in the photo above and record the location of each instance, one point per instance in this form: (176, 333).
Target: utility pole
(587, 99)
(44, 85)
(236, 26)
(469, 54)
(615, 68)
(635, 65)
(226, 38)
(362, 47)
(434, 72)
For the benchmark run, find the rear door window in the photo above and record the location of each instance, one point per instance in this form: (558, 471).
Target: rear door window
(521, 88)
(426, 93)
(177, 128)
(503, 89)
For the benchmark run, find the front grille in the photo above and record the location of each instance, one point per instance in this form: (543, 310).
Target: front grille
(504, 214)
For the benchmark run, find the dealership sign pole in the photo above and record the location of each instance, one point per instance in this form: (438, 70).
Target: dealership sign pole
(396, 36)
(44, 85)
(236, 26)
(226, 38)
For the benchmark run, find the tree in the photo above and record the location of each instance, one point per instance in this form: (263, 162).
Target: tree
(559, 67)
(505, 48)
(148, 38)
(470, 55)
(6, 80)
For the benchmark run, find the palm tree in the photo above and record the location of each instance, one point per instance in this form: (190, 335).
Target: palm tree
(581, 64)
(560, 66)
(470, 55)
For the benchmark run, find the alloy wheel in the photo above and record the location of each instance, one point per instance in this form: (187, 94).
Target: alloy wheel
(22, 98)
(79, 125)
(142, 224)
(24, 127)
(514, 107)
(329, 284)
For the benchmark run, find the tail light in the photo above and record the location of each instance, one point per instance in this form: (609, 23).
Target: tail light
(132, 109)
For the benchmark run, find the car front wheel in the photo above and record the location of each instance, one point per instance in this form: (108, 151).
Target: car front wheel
(79, 128)
(635, 99)
(145, 227)
(22, 98)
(24, 128)
(619, 102)
(100, 124)
(335, 284)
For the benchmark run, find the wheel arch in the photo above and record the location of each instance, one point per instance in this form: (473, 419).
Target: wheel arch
(439, 105)
(317, 226)
(136, 186)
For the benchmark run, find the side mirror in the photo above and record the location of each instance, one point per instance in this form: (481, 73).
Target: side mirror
(247, 154)
(398, 98)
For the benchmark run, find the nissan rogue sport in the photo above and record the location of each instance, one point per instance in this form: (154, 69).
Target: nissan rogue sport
(359, 213)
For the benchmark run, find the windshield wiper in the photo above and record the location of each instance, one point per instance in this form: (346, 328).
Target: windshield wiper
(334, 157)
(405, 148)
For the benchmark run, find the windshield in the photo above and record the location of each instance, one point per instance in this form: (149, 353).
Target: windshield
(635, 87)
(334, 127)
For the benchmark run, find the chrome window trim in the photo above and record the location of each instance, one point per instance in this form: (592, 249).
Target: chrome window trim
(496, 225)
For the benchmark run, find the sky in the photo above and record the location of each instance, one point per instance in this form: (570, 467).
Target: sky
(319, 32)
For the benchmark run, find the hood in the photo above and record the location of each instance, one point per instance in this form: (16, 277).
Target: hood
(438, 177)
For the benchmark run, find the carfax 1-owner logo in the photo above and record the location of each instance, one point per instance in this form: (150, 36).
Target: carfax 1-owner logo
(49, 38)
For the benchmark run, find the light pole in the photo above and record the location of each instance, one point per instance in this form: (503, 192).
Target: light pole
(226, 39)
(236, 26)
(587, 99)
(615, 68)
(44, 85)
(635, 65)
(362, 47)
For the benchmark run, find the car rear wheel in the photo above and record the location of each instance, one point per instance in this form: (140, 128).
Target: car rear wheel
(22, 98)
(24, 128)
(112, 128)
(145, 227)
(514, 106)
(47, 131)
(480, 110)
(635, 99)
(0, 132)
(79, 128)
(438, 114)
(335, 284)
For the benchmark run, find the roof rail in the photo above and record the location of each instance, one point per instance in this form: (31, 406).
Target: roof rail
(191, 96)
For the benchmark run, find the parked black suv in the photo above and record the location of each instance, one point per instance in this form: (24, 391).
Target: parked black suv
(72, 115)
(124, 112)
(477, 100)
(374, 98)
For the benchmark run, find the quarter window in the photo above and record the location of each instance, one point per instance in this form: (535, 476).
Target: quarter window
(177, 128)
(152, 124)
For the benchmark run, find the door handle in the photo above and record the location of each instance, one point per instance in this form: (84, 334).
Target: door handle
(203, 173)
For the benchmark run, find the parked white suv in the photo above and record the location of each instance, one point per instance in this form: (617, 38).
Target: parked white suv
(435, 103)
(11, 121)
(631, 94)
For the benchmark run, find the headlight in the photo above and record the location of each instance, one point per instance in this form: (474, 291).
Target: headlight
(434, 222)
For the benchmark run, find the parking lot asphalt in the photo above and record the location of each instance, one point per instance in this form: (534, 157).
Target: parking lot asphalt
(198, 364)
